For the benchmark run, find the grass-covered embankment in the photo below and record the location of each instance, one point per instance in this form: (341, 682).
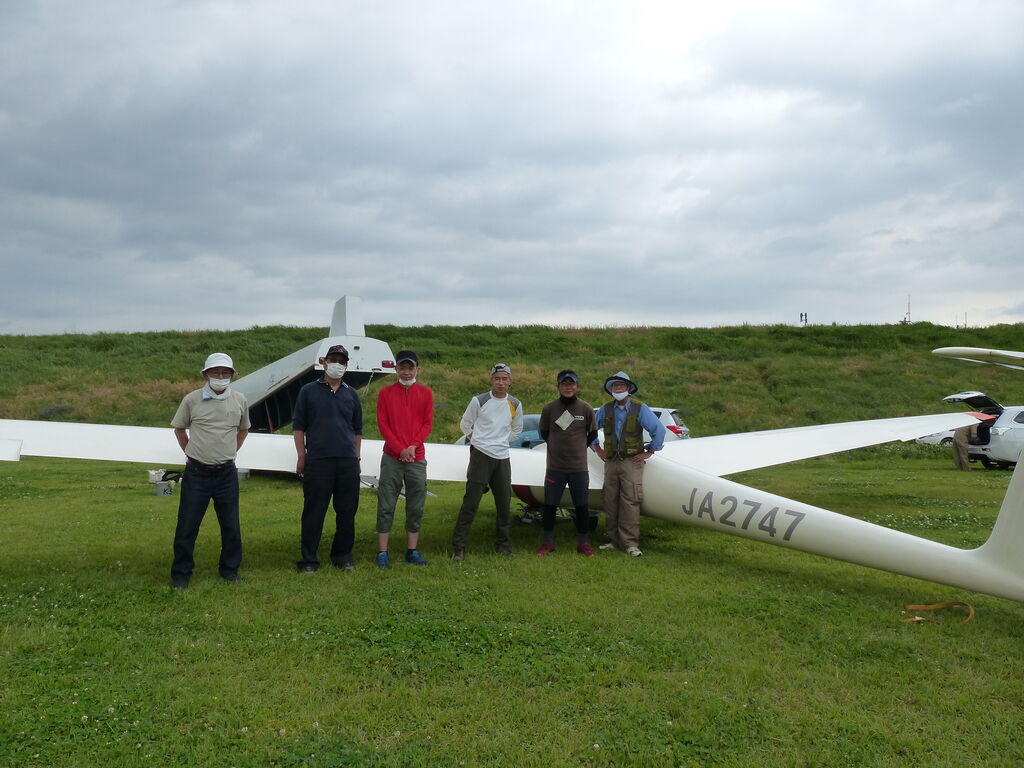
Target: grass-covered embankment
(722, 379)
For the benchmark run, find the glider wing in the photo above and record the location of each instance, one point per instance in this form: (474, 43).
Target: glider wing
(726, 454)
(1002, 357)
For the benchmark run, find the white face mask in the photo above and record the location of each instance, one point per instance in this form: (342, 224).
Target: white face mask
(218, 385)
(335, 370)
(620, 396)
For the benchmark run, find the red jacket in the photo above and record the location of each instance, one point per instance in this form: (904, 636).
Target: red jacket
(405, 417)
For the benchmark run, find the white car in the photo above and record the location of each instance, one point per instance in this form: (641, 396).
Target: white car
(675, 429)
(670, 418)
(939, 438)
(674, 426)
(999, 442)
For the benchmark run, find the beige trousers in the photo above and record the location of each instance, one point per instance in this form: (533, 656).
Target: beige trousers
(623, 492)
(961, 440)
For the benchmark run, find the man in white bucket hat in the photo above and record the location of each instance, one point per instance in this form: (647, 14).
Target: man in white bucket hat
(211, 424)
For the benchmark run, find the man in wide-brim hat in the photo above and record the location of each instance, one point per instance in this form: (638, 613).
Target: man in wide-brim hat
(624, 453)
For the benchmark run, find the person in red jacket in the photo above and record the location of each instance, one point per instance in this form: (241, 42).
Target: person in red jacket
(405, 416)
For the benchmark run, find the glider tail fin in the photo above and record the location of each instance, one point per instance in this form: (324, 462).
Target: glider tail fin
(1004, 547)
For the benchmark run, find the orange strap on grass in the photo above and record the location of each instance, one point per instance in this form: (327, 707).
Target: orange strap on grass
(937, 606)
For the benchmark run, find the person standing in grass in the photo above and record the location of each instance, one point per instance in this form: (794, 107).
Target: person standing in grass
(492, 420)
(327, 424)
(961, 446)
(624, 454)
(210, 425)
(405, 416)
(568, 426)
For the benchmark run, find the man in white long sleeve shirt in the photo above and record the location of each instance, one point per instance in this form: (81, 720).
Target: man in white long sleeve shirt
(492, 420)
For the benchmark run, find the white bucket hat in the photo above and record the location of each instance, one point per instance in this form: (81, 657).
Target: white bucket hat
(218, 360)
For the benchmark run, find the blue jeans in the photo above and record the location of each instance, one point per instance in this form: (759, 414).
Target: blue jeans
(197, 489)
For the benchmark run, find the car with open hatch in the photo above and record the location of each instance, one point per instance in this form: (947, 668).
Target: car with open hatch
(998, 443)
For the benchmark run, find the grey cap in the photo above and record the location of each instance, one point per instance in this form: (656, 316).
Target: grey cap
(500, 368)
(620, 376)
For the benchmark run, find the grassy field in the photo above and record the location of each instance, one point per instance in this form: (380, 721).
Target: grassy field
(710, 650)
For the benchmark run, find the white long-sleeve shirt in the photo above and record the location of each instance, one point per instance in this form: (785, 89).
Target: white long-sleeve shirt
(493, 423)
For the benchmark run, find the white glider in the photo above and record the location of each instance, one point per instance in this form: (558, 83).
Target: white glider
(682, 484)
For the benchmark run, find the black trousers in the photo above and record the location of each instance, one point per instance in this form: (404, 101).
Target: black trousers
(555, 482)
(197, 489)
(323, 480)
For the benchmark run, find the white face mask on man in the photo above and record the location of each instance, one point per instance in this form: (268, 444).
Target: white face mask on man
(335, 370)
(620, 396)
(218, 385)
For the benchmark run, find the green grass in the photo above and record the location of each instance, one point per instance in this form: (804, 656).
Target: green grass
(710, 650)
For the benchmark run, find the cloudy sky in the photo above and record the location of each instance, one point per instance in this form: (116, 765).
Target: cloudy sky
(219, 164)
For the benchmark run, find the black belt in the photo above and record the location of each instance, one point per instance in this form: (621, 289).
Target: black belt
(208, 469)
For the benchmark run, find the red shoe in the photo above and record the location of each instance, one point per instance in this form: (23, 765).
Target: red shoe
(584, 549)
(546, 549)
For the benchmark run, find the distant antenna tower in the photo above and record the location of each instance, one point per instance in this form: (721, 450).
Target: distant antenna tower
(906, 318)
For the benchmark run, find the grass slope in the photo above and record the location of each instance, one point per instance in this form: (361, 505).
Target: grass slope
(722, 379)
(710, 650)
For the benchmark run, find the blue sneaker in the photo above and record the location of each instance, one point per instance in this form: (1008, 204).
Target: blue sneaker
(383, 561)
(415, 558)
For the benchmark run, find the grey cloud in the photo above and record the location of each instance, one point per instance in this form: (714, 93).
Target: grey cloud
(274, 160)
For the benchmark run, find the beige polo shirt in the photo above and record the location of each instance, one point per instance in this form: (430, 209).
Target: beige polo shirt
(212, 425)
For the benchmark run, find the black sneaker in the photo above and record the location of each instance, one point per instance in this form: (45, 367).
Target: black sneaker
(458, 554)
(234, 578)
(307, 569)
(179, 584)
(504, 549)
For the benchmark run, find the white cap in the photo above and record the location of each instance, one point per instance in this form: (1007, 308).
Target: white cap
(218, 360)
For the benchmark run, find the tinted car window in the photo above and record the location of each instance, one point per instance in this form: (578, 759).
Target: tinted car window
(531, 433)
